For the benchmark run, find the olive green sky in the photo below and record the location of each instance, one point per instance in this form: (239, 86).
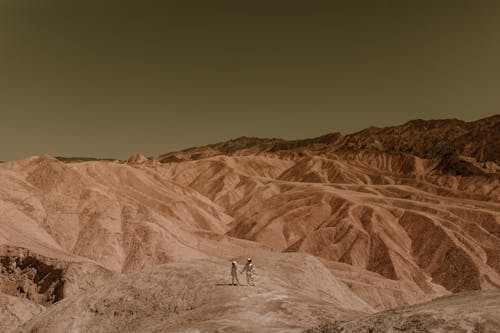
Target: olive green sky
(109, 78)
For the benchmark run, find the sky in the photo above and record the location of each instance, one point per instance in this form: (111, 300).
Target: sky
(110, 78)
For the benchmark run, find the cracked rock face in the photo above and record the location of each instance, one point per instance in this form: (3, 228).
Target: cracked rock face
(31, 278)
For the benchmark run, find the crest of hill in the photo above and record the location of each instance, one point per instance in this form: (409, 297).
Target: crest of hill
(84, 159)
(252, 146)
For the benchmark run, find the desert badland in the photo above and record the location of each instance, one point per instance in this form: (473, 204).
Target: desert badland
(392, 229)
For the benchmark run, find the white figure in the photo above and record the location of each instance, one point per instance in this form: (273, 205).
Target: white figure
(250, 271)
(234, 273)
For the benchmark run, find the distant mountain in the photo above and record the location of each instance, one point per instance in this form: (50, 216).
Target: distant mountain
(433, 139)
(428, 139)
(82, 159)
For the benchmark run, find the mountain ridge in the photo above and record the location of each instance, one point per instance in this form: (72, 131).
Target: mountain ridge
(427, 139)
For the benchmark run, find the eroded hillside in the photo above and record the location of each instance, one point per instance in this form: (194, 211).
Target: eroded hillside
(391, 217)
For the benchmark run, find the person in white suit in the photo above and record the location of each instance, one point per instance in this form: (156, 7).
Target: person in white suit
(234, 273)
(250, 271)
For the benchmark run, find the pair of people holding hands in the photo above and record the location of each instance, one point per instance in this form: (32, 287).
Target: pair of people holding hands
(248, 269)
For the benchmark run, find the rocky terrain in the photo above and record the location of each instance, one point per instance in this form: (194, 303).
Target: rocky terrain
(475, 312)
(339, 227)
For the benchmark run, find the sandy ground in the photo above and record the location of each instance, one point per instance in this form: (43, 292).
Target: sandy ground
(15, 311)
(476, 312)
(293, 291)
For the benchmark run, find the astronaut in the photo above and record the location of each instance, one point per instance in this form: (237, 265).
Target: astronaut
(250, 271)
(234, 273)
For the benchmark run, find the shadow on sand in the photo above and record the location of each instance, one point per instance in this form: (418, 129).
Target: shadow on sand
(228, 284)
